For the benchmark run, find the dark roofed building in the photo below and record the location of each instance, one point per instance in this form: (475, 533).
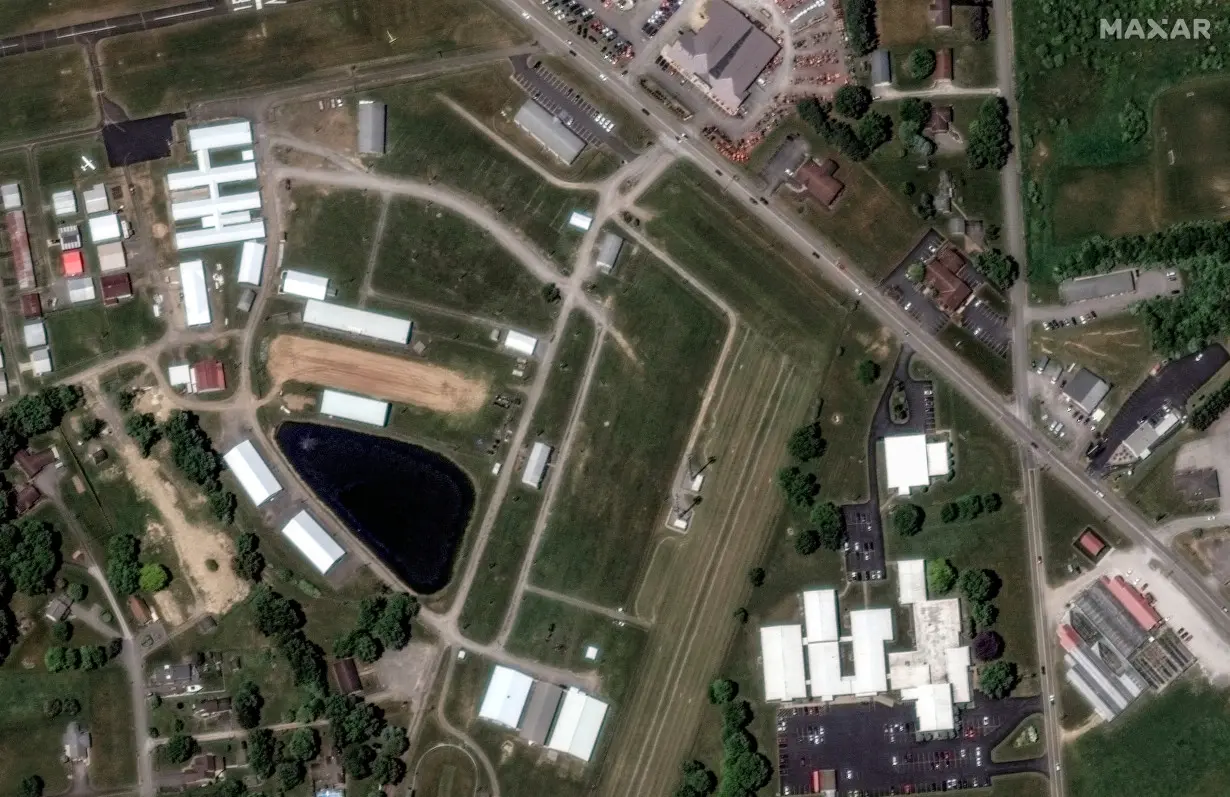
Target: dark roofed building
(940, 120)
(540, 711)
(346, 673)
(373, 121)
(724, 56)
(818, 181)
(177, 675)
(31, 462)
(140, 609)
(140, 140)
(116, 287)
(31, 305)
(1086, 390)
(945, 276)
(209, 375)
(215, 705)
(941, 13)
(943, 63)
(27, 498)
(881, 68)
(58, 608)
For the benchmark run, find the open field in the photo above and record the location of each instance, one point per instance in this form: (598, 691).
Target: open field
(1024, 785)
(44, 93)
(331, 234)
(381, 376)
(445, 770)
(558, 634)
(1192, 154)
(433, 256)
(996, 369)
(59, 165)
(1018, 746)
(904, 25)
(637, 412)
(1065, 518)
(1106, 200)
(782, 296)
(79, 335)
(1172, 743)
(427, 139)
(163, 70)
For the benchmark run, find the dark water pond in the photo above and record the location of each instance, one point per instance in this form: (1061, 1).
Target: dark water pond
(409, 504)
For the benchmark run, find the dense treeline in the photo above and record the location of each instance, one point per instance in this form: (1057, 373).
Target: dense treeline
(1211, 408)
(384, 622)
(871, 131)
(1180, 242)
(192, 452)
(861, 25)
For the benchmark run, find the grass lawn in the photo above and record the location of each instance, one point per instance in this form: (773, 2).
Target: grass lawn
(558, 634)
(781, 296)
(45, 93)
(1024, 785)
(1151, 485)
(427, 139)
(1018, 746)
(332, 235)
(1066, 517)
(1172, 743)
(637, 412)
(59, 165)
(163, 70)
(430, 255)
(995, 369)
(79, 335)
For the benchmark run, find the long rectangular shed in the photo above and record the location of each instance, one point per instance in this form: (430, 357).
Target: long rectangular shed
(354, 408)
(254, 476)
(357, 322)
(549, 131)
(576, 728)
(220, 136)
(536, 465)
(505, 698)
(196, 296)
(373, 122)
(311, 539)
(301, 283)
(251, 259)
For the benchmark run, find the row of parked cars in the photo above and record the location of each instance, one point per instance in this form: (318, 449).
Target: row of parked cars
(1076, 320)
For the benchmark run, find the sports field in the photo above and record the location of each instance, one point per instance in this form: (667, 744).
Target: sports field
(430, 255)
(331, 234)
(1192, 154)
(638, 411)
(44, 93)
(165, 69)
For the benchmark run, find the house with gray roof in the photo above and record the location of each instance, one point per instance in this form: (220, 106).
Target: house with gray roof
(1086, 390)
(549, 131)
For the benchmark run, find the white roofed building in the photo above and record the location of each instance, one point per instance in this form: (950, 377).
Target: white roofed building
(179, 375)
(105, 227)
(520, 343)
(311, 539)
(64, 203)
(820, 615)
(96, 199)
(34, 334)
(300, 283)
(536, 465)
(111, 257)
(577, 725)
(937, 459)
(196, 295)
(911, 581)
(781, 652)
(216, 218)
(357, 322)
(80, 289)
(10, 196)
(910, 461)
(40, 361)
(254, 476)
(220, 136)
(251, 261)
(505, 698)
(354, 408)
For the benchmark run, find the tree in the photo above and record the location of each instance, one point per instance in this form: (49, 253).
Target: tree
(30, 555)
(949, 512)
(92, 427)
(357, 761)
(72, 706)
(222, 505)
(868, 372)
(908, 519)
(830, 525)
(52, 708)
(722, 691)
(61, 632)
(394, 740)
(262, 752)
(55, 659)
(736, 715)
(806, 443)
(123, 568)
(697, 780)
(154, 577)
(799, 488)
(970, 506)
(32, 415)
(990, 135)
(291, 773)
(915, 112)
(941, 576)
(275, 614)
(756, 576)
(748, 771)
(180, 748)
(984, 614)
(992, 503)
(306, 659)
(915, 273)
(31, 786)
(977, 585)
(303, 745)
(77, 591)
(143, 429)
(392, 628)
(741, 615)
(998, 267)
(807, 542)
(551, 293)
(920, 63)
(860, 16)
(93, 657)
(352, 720)
(875, 129)
(366, 648)
(246, 702)
(388, 770)
(998, 679)
(988, 646)
(852, 101)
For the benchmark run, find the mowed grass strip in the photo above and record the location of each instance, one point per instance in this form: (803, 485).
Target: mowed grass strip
(165, 69)
(635, 424)
(1066, 518)
(331, 235)
(44, 93)
(431, 255)
(779, 295)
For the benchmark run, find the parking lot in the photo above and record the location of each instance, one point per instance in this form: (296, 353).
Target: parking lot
(899, 287)
(578, 114)
(864, 542)
(874, 750)
(988, 326)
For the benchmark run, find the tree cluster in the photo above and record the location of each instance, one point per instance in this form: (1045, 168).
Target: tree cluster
(125, 571)
(744, 769)
(969, 507)
(867, 372)
(370, 747)
(144, 430)
(87, 657)
(281, 619)
(852, 101)
(920, 63)
(990, 135)
(30, 555)
(248, 561)
(908, 519)
(193, 453)
(38, 413)
(979, 587)
(799, 488)
(1211, 408)
(830, 525)
(695, 780)
(384, 622)
(246, 703)
(806, 443)
(998, 267)
(998, 679)
(287, 757)
(941, 576)
(180, 747)
(860, 16)
(856, 143)
(914, 114)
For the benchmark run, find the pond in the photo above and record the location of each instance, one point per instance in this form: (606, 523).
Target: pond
(409, 504)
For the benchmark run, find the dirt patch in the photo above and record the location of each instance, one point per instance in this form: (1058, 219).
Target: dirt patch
(297, 402)
(320, 122)
(382, 376)
(153, 401)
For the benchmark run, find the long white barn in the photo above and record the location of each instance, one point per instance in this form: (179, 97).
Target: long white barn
(254, 476)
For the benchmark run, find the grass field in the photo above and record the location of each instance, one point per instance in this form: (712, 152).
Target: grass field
(782, 297)
(1018, 747)
(637, 412)
(427, 139)
(82, 334)
(1066, 517)
(1172, 743)
(904, 25)
(331, 234)
(1115, 348)
(1151, 485)
(433, 256)
(1192, 155)
(556, 633)
(165, 69)
(996, 369)
(45, 93)
(1024, 785)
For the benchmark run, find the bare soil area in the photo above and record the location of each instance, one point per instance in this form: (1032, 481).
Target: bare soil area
(372, 374)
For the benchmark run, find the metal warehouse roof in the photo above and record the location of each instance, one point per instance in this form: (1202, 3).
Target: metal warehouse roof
(781, 652)
(41, 360)
(64, 202)
(204, 208)
(354, 408)
(549, 131)
(536, 465)
(96, 199)
(105, 227)
(820, 615)
(111, 257)
(356, 321)
(608, 251)
(34, 334)
(198, 239)
(577, 726)
(520, 343)
(10, 195)
(196, 297)
(300, 283)
(254, 476)
(373, 122)
(504, 700)
(229, 134)
(313, 541)
(211, 176)
(540, 713)
(80, 289)
(905, 462)
(251, 260)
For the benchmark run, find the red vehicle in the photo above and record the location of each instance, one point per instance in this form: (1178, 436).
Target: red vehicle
(815, 781)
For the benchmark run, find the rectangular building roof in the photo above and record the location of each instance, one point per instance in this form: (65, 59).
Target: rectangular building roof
(300, 283)
(373, 121)
(1086, 390)
(609, 248)
(73, 262)
(96, 199)
(311, 539)
(354, 408)
(80, 289)
(19, 241)
(105, 227)
(220, 136)
(251, 261)
(179, 375)
(726, 54)
(505, 698)
(781, 654)
(1091, 543)
(31, 305)
(34, 334)
(549, 131)
(820, 615)
(536, 465)
(10, 196)
(540, 712)
(871, 628)
(1136, 604)
(64, 202)
(209, 236)
(911, 581)
(70, 236)
(824, 670)
(577, 726)
(937, 459)
(520, 343)
(932, 707)
(209, 176)
(356, 321)
(905, 462)
(1097, 286)
(254, 476)
(40, 359)
(116, 287)
(208, 375)
(196, 296)
(220, 206)
(111, 257)
(958, 660)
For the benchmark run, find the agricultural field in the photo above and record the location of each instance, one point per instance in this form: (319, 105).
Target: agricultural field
(80, 335)
(332, 234)
(640, 409)
(1098, 125)
(45, 93)
(1065, 518)
(432, 256)
(1172, 743)
(163, 70)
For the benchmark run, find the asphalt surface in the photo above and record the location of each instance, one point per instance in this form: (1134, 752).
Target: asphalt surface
(553, 93)
(112, 26)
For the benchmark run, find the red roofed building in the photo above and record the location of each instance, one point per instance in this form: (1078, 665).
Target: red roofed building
(208, 376)
(818, 181)
(1068, 637)
(31, 305)
(943, 274)
(1130, 598)
(943, 64)
(73, 263)
(116, 287)
(1091, 543)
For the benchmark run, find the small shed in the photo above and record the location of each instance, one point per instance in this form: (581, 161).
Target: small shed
(536, 465)
(373, 123)
(608, 252)
(346, 673)
(31, 305)
(209, 376)
(139, 610)
(58, 608)
(881, 68)
(116, 288)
